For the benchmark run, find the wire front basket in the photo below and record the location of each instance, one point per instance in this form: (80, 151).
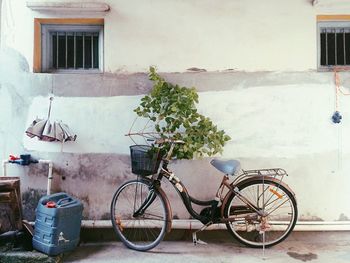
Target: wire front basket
(145, 159)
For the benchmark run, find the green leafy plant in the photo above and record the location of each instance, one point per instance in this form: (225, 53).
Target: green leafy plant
(173, 111)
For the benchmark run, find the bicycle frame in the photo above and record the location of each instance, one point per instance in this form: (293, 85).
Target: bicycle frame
(213, 205)
(188, 200)
(268, 174)
(182, 191)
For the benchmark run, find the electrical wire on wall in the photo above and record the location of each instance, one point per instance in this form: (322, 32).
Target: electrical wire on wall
(337, 117)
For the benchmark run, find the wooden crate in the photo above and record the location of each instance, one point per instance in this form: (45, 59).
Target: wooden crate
(10, 204)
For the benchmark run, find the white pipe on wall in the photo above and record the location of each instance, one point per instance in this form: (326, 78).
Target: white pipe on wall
(4, 163)
(49, 177)
(194, 224)
(188, 224)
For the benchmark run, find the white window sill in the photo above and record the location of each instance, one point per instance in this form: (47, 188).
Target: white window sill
(70, 6)
(74, 71)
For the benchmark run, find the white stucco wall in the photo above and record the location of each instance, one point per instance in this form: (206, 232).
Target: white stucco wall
(270, 124)
(263, 121)
(267, 130)
(177, 35)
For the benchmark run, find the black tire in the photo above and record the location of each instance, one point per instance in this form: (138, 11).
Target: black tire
(256, 231)
(145, 231)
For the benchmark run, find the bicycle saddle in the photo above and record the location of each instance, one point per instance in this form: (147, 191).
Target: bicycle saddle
(226, 166)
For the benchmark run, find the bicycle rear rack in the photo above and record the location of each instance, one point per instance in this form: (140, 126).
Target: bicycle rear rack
(276, 173)
(273, 172)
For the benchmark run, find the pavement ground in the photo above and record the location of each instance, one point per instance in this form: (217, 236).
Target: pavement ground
(323, 247)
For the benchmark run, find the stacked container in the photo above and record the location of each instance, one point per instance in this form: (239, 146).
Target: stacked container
(57, 224)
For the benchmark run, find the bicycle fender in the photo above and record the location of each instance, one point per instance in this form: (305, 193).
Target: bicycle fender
(253, 178)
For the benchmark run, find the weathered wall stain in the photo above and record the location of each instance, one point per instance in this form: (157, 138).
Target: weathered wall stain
(113, 84)
(302, 257)
(30, 200)
(86, 205)
(84, 166)
(106, 216)
(343, 217)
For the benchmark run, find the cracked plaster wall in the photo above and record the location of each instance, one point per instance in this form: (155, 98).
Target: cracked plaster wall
(276, 119)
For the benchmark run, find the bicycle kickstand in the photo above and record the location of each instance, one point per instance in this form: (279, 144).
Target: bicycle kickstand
(194, 235)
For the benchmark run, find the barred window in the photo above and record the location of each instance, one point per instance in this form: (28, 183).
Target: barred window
(334, 44)
(72, 48)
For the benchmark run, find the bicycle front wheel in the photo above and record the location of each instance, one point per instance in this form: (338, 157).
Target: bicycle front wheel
(270, 217)
(139, 214)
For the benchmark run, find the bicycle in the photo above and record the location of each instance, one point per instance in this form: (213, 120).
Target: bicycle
(259, 210)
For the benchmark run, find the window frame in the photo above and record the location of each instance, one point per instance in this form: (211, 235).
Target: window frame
(330, 21)
(42, 27)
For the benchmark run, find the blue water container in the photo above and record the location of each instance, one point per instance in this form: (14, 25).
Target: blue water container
(57, 224)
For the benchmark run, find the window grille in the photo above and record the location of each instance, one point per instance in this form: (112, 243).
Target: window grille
(72, 48)
(334, 45)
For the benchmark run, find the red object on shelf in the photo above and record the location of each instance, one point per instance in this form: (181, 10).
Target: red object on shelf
(51, 204)
(13, 158)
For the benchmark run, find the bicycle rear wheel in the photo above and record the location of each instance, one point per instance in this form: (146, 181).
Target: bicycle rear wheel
(274, 201)
(139, 214)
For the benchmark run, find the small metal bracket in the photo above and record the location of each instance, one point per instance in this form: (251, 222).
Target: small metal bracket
(197, 241)
(62, 239)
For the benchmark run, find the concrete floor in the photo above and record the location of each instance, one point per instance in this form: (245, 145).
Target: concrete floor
(324, 247)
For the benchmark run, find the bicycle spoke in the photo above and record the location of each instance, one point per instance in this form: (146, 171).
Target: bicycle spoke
(154, 216)
(265, 228)
(146, 229)
(278, 207)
